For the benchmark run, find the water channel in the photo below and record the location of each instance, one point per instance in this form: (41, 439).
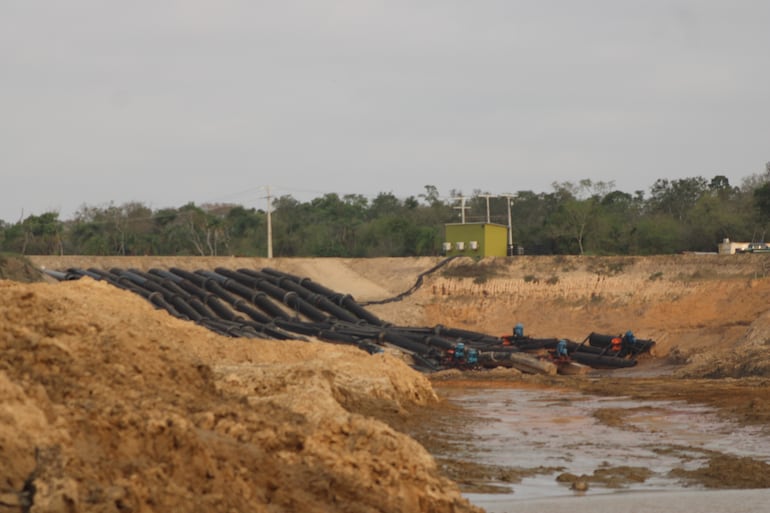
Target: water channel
(570, 432)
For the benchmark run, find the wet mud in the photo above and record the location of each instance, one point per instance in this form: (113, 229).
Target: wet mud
(529, 437)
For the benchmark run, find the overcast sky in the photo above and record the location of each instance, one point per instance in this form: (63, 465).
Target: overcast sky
(170, 101)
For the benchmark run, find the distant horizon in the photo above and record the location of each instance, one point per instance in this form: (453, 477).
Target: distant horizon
(276, 193)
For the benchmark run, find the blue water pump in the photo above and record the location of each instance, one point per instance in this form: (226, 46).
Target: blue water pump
(460, 351)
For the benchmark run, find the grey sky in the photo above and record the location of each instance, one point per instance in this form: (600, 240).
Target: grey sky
(170, 101)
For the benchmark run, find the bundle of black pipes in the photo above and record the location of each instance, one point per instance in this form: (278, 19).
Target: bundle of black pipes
(277, 305)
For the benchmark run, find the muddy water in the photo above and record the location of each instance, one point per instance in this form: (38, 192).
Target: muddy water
(618, 444)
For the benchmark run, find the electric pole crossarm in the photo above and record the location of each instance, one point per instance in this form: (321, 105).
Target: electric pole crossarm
(462, 208)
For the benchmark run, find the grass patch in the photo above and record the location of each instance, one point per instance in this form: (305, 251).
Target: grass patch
(479, 270)
(656, 276)
(565, 264)
(604, 266)
(698, 275)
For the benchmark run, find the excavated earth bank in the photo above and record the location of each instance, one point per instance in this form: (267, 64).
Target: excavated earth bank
(109, 405)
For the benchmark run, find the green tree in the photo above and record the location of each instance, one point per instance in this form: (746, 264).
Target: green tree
(431, 196)
(529, 212)
(290, 219)
(658, 234)
(247, 231)
(36, 235)
(676, 197)
(616, 222)
(126, 229)
(576, 210)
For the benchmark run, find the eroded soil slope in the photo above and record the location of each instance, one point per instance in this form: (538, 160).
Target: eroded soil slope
(707, 313)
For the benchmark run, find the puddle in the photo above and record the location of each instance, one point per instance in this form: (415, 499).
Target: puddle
(526, 428)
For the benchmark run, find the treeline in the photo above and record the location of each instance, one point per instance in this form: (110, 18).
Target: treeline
(689, 214)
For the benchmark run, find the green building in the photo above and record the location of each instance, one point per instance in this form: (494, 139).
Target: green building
(475, 239)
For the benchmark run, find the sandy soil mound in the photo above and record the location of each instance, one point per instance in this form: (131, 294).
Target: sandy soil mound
(109, 405)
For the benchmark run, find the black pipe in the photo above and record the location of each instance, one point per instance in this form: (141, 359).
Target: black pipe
(359, 311)
(183, 303)
(425, 336)
(253, 279)
(260, 284)
(75, 274)
(219, 326)
(293, 300)
(199, 300)
(296, 327)
(439, 342)
(305, 282)
(212, 283)
(220, 308)
(598, 340)
(280, 274)
(157, 299)
(474, 336)
(601, 361)
(290, 298)
(289, 282)
(327, 305)
(359, 330)
(242, 306)
(183, 274)
(336, 336)
(271, 331)
(191, 283)
(293, 296)
(229, 281)
(168, 275)
(61, 276)
(183, 295)
(258, 299)
(102, 274)
(404, 342)
(217, 308)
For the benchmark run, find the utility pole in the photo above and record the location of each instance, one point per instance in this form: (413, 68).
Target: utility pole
(508, 198)
(269, 226)
(462, 207)
(487, 196)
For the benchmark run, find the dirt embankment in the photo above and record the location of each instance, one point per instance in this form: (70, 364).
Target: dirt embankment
(708, 314)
